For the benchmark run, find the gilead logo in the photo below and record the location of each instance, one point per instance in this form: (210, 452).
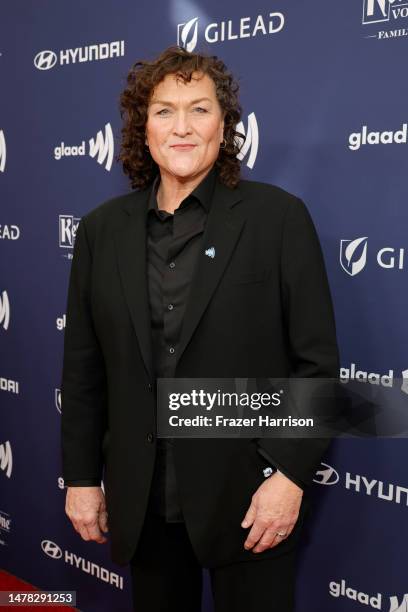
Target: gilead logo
(353, 256)
(246, 27)
(340, 589)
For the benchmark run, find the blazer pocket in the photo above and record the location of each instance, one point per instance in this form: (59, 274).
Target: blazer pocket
(256, 276)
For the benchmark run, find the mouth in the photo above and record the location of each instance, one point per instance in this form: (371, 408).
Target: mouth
(183, 147)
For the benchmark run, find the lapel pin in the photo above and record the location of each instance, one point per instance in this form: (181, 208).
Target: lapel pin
(267, 471)
(210, 252)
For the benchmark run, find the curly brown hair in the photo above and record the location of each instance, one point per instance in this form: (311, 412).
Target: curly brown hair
(142, 78)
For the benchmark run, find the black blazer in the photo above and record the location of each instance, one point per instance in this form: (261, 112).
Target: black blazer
(260, 308)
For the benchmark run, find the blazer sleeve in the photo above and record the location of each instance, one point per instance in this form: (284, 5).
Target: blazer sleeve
(83, 384)
(311, 334)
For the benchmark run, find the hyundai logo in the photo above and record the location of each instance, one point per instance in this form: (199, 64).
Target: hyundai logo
(44, 60)
(51, 549)
(326, 476)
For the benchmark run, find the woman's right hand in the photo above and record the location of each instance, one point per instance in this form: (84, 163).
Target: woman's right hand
(86, 509)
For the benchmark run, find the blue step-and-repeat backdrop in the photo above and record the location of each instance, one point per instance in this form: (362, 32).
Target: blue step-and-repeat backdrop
(324, 94)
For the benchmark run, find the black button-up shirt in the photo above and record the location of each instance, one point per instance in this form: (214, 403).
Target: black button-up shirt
(174, 241)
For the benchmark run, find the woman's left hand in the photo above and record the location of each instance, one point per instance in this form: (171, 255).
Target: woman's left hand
(274, 508)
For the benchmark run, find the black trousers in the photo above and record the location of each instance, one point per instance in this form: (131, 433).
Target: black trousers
(166, 576)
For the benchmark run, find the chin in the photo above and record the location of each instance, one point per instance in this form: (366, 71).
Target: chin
(183, 172)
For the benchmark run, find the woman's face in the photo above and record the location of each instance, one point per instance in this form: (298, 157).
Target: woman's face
(185, 126)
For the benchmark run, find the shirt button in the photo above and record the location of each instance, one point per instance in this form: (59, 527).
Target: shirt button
(171, 350)
(170, 306)
(150, 437)
(172, 264)
(150, 387)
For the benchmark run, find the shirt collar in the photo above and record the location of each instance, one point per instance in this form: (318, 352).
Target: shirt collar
(203, 191)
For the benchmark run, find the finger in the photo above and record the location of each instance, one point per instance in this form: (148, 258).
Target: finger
(94, 532)
(83, 532)
(76, 525)
(255, 534)
(88, 530)
(103, 521)
(250, 516)
(275, 540)
(268, 539)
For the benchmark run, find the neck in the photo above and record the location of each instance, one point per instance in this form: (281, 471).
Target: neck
(172, 190)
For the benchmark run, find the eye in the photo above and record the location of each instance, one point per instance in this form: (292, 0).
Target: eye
(200, 108)
(162, 111)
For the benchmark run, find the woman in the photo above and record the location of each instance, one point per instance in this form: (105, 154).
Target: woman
(195, 274)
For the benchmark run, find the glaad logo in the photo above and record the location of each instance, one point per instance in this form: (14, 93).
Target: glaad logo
(46, 59)
(2, 151)
(61, 322)
(396, 607)
(6, 458)
(55, 552)
(250, 142)
(187, 33)
(4, 310)
(337, 589)
(386, 380)
(359, 139)
(101, 146)
(327, 475)
(57, 397)
(68, 226)
(353, 256)
(404, 386)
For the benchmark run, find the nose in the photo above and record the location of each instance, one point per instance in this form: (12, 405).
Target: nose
(181, 125)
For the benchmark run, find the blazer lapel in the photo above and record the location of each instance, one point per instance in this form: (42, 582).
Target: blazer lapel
(221, 233)
(131, 245)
